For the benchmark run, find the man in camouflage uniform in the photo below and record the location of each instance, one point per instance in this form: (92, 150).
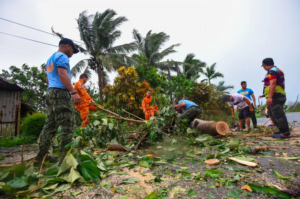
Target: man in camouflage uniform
(59, 104)
(276, 98)
(190, 110)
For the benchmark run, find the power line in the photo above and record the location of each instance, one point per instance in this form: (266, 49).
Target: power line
(28, 39)
(32, 28)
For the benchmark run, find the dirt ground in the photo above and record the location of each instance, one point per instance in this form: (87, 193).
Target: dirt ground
(177, 179)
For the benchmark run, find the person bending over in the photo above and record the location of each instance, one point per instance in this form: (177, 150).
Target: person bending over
(244, 106)
(190, 110)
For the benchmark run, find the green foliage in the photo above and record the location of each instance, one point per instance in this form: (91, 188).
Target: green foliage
(150, 47)
(269, 190)
(32, 125)
(92, 90)
(180, 86)
(191, 67)
(211, 73)
(126, 93)
(149, 73)
(32, 80)
(99, 32)
(10, 142)
(209, 100)
(221, 87)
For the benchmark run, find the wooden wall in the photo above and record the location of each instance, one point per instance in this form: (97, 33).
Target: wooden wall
(9, 112)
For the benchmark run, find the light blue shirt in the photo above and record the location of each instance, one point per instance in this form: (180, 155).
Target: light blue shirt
(188, 104)
(247, 93)
(57, 60)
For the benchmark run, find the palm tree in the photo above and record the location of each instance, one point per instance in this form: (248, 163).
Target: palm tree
(210, 73)
(191, 67)
(221, 87)
(151, 47)
(99, 32)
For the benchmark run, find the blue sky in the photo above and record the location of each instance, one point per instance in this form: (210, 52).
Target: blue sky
(235, 34)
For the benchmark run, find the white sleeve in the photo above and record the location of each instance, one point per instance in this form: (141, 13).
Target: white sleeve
(240, 97)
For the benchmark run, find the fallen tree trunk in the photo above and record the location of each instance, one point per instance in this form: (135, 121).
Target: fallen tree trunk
(210, 127)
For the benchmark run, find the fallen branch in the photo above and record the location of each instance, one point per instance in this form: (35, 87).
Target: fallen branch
(138, 144)
(10, 165)
(117, 116)
(133, 115)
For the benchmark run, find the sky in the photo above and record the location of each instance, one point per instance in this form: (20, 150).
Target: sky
(235, 34)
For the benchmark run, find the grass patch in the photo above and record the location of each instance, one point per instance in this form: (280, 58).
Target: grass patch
(9, 142)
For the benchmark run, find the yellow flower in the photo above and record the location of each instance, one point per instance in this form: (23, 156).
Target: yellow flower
(131, 98)
(149, 155)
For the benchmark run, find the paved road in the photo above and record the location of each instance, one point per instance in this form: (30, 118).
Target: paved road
(290, 116)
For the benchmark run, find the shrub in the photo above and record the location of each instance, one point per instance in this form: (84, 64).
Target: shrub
(126, 93)
(32, 125)
(8, 142)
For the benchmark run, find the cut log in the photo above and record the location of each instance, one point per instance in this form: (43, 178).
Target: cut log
(210, 127)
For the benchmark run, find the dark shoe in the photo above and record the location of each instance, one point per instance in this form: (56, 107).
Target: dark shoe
(255, 127)
(277, 132)
(281, 136)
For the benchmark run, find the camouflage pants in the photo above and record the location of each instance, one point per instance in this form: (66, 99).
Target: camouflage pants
(60, 113)
(190, 114)
(277, 114)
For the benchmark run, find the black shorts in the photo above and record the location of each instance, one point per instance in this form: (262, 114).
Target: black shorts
(244, 113)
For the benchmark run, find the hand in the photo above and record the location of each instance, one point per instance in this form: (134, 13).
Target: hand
(269, 102)
(77, 99)
(251, 109)
(93, 103)
(254, 105)
(260, 96)
(232, 117)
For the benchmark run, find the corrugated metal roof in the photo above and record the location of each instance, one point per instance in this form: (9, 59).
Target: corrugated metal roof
(5, 84)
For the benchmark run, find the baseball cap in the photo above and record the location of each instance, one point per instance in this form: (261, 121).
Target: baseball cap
(70, 42)
(268, 62)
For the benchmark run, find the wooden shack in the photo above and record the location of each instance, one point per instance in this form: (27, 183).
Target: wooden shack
(10, 108)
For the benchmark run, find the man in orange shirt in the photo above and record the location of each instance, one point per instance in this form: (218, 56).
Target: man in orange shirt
(85, 107)
(147, 109)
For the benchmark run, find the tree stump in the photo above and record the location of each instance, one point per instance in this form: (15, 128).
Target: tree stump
(210, 127)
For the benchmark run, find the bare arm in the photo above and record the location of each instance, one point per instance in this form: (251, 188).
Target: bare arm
(232, 112)
(248, 102)
(182, 104)
(65, 80)
(254, 100)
